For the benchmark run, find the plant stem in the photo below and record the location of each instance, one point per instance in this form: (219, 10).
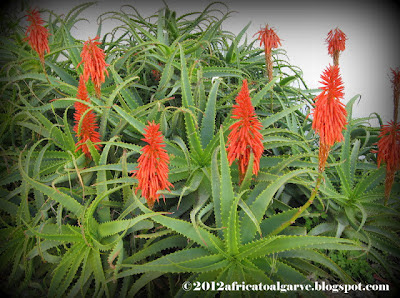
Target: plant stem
(268, 64)
(336, 58)
(269, 72)
(301, 209)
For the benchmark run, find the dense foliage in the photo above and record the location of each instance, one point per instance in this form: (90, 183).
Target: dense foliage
(76, 223)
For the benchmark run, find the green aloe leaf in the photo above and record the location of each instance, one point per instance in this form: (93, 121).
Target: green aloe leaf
(208, 122)
(257, 97)
(315, 256)
(67, 201)
(137, 124)
(109, 103)
(187, 102)
(272, 245)
(227, 197)
(166, 76)
(205, 239)
(129, 98)
(216, 191)
(116, 226)
(189, 260)
(174, 241)
(277, 116)
(261, 202)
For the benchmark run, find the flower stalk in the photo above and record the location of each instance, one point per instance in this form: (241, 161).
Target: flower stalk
(329, 121)
(396, 93)
(300, 210)
(270, 40)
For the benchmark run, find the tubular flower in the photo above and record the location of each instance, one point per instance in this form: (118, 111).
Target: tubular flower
(94, 65)
(88, 127)
(329, 113)
(336, 43)
(389, 152)
(245, 136)
(270, 40)
(396, 92)
(36, 34)
(152, 173)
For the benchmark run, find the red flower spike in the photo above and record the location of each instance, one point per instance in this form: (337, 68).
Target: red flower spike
(389, 146)
(245, 136)
(152, 173)
(268, 38)
(89, 125)
(389, 152)
(36, 34)
(329, 113)
(94, 65)
(336, 43)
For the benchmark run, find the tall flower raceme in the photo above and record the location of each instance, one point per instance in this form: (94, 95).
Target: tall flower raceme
(94, 64)
(329, 113)
(270, 40)
(152, 173)
(389, 153)
(336, 43)
(329, 121)
(87, 129)
(245, 137)
(37, 34)
(389, 140)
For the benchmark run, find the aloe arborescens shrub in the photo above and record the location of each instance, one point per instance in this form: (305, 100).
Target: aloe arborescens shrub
(76, 222)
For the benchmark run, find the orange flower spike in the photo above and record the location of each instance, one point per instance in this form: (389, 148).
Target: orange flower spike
(152, 173)
(37, 34)
(270, 40)
(336, 43)
(89, 125)
(94, 65)
(389, 153)
(329, 113)
(245, 136)
(389, 146)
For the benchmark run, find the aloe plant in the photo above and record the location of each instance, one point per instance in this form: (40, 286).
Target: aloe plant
(237, 248)
(354, 201)
(75, 225)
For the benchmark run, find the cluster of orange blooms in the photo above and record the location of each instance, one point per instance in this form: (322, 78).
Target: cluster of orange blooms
(245, 138)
